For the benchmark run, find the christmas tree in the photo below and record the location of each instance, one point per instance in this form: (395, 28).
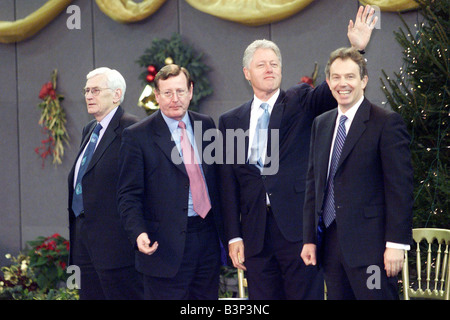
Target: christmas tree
(420, 93)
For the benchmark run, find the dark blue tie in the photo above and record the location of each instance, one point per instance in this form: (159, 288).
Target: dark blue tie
(260, 137)
(329, 210)
(77, 202)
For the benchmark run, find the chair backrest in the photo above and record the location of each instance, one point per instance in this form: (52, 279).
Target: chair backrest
(432, 253)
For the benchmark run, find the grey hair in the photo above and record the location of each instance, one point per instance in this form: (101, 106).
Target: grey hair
(113, 77)
(259, 44)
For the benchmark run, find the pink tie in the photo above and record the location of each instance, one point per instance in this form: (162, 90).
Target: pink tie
(198, 188)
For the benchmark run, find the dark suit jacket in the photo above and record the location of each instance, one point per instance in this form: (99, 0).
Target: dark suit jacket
(153, 191)
(107, 241)
(244, 188)
(373, 183)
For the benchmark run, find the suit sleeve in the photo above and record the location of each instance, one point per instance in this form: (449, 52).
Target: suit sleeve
(319, 99)
(398, 179)
(309, 211)
(130, 188)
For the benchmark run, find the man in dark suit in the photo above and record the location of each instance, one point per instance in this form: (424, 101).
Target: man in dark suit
(98, 243)
(262, 204)
(173, 226)
(359, 189)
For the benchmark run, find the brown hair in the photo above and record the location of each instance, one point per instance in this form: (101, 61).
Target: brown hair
(347, 53)
(172, 70)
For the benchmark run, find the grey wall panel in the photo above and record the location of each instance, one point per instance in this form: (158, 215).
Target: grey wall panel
(10, 241)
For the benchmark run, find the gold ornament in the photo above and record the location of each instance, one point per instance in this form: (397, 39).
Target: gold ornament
(168, 60)
(147, 99)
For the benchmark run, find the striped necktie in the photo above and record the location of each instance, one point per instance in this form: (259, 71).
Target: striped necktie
(329, 211)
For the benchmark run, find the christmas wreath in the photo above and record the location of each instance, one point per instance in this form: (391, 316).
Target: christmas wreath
(168, 51)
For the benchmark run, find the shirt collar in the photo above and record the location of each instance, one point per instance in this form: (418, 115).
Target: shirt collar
(173, 124)
(107, 119)
(257, 102)
(350, 113)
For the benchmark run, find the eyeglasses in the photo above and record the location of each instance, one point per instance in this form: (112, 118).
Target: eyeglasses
(170, 94)
(94, 91)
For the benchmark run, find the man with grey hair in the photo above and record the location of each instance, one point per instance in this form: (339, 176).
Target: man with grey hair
(98, 243)
(262, 209)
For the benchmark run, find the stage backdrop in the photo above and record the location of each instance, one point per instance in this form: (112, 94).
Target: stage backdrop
(33, 199)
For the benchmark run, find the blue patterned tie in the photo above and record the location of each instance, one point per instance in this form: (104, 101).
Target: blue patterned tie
(77, 202)
(260, 138)
(329, 211)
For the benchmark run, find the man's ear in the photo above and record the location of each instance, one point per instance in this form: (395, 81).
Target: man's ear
(246, 74)
(117, 96)
(365, 80)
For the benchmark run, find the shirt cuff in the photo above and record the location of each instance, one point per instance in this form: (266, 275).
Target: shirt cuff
(234, 240)
(394, 245)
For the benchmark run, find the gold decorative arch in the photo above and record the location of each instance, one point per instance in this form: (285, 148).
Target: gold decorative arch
(392, 5)
(128, 11)
(24, 28)
(251, 13)
(247, 12)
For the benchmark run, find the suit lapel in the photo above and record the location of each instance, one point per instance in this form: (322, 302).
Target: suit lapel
(243, 122)
(275, 122)
(277, 112)
(108, 137)
(163, 139)
(356, 130)
(201, 143)
(324, 145)
(85, 140)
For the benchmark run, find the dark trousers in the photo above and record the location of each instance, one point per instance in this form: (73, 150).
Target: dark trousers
(278, 272)
(198, 275)
(103, 284)
(346, 283)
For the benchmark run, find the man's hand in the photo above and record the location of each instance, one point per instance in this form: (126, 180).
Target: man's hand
(143, 243)
(236, 250)
(359, 32)
(393, 261)
(309, 254)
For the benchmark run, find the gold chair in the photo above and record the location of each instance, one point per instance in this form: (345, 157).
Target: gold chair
(435, 245)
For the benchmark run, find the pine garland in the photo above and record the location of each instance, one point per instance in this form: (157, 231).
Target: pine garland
(420, 93)
(173, 50)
